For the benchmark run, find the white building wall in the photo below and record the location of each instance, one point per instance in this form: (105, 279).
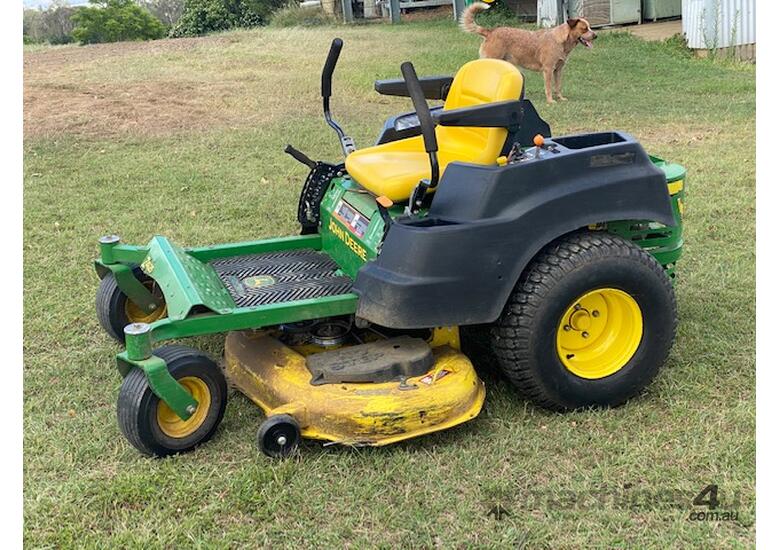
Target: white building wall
(710, 24)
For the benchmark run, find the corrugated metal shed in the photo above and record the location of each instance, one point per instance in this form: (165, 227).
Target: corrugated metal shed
(597, 12)
(660, 9)
(547, 13)
(607, 12)
(715, 24)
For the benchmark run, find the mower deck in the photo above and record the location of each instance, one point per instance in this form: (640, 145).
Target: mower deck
(277, 379)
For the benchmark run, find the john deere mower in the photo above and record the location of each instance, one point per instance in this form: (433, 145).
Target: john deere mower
(466, 214)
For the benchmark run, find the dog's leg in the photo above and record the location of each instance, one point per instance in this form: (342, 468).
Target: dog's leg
(548, 84)
(558, 78)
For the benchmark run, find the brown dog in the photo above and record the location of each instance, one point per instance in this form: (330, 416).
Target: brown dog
(544, 50)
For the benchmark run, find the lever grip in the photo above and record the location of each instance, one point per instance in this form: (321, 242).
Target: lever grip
(299, 156)
(330, 65)
(420, 106)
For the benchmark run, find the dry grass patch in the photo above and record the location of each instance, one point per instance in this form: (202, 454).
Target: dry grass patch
(239, 79)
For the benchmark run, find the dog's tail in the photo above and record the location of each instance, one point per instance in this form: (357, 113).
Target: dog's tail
(467, 22)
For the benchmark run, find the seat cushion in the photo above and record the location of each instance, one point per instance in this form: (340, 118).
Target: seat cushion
(394, 169)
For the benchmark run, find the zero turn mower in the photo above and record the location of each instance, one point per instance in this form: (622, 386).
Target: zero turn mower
(468, 213)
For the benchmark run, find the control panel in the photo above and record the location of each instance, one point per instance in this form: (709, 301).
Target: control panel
(356, 222)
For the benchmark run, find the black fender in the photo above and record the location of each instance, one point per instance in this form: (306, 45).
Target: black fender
(458, 265)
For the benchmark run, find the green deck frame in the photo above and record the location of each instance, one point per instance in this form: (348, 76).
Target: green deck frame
(198, 302)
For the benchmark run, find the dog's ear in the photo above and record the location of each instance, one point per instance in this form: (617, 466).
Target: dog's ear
(573, 22)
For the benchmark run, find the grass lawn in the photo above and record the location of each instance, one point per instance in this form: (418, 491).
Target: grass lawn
(184, 138)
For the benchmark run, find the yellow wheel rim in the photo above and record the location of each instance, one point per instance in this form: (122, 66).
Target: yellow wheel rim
(599, 333)
(173, 426)
(137, 315)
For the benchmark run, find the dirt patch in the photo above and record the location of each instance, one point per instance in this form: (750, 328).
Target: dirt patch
(66, 90)
(101, 110)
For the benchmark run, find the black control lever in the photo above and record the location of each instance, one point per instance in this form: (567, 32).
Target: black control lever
(428, 130)
(330, 66)
(347, 143)
(300, 157)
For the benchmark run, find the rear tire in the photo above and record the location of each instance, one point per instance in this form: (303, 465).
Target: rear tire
(150, 425)
(622, 347)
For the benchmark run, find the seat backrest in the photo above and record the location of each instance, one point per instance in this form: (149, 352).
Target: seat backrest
(477, 82)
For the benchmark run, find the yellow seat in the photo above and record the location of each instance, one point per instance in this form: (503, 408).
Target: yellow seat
(394, 169)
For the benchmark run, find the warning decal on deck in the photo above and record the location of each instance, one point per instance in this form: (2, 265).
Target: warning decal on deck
(428, 378)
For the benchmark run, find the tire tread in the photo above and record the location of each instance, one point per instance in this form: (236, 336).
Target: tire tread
(133, 390)
(104, 298)
(512, 333)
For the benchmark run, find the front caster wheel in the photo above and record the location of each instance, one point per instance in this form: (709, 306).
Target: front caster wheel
(589, 323)
(278, 436)
(151, 426)
(115, 310)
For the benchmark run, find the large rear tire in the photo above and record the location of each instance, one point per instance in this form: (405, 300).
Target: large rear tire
(590, 323)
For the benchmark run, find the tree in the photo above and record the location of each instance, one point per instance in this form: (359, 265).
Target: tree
(31, 20)
(167, 11)
(51, 25)
(258, 12)
(114, 21)
(204, 16)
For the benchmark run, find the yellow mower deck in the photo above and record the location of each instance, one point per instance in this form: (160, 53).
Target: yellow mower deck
(276, 378)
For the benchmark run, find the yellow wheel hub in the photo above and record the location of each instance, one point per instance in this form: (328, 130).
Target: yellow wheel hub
(137, 315)
(173, 426)
(599, 333)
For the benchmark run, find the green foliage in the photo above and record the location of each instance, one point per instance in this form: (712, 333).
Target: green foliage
(499, 15)
(115, 21)
(678, 47)
(201, 17)
(30, 21)
(204, 16)
(52, 25)
(296, 16)
(258, 12)
(167, 11)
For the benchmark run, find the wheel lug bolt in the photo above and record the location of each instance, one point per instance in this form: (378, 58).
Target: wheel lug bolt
(595, 313)
(567, 328)
(585, 334)
(577, 307)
